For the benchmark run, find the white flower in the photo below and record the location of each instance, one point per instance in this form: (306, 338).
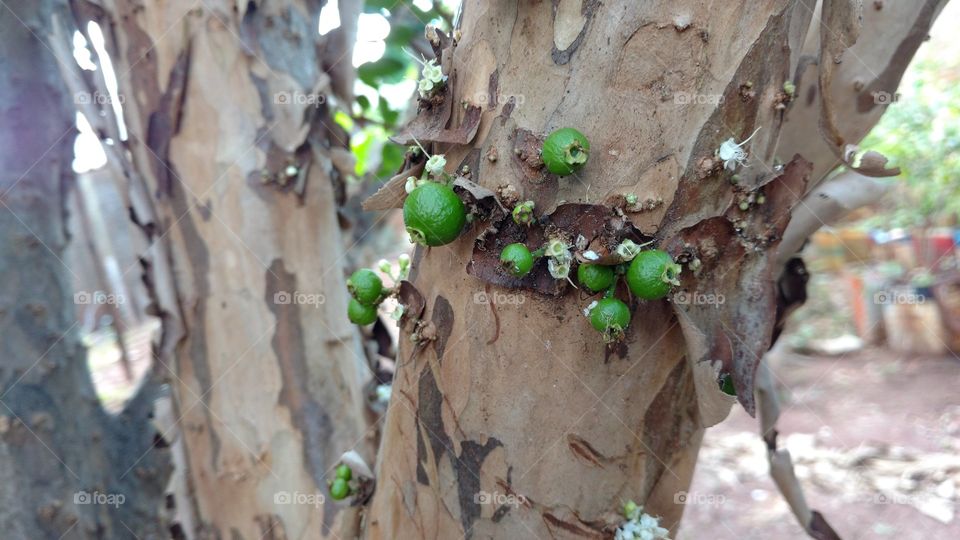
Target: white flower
(590, 255)
(425, 86)
(589, 308)
(432, 72)
(644, 527)
(385, 266)
(384, 391)
(556, 248)
(436, 164)
(732, 154)
(627, 250)
(412, 184)
(558, 269)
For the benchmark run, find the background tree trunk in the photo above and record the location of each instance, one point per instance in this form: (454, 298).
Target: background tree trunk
(64, 461)
(246, 263)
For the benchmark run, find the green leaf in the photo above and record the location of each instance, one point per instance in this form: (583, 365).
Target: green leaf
(402, 35)
(385, 70)
(389, 115)
(363, 101)
(391, 160)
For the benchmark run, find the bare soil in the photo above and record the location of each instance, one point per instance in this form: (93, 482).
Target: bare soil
(874, 436)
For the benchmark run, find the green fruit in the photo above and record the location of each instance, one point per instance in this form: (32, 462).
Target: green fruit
(651, 274)
(565, 151)
(517, 259)
(610, 316)
(365, 285)
(595, 277)
(361, 314)
(344, 471)
(433, 214)
(726, 385)
(339, 489)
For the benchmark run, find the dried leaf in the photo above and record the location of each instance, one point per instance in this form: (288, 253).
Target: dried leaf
(393, 193)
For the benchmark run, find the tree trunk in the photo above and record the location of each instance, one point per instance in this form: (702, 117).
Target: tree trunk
(237, 171)
(69, 470)
(518, 395)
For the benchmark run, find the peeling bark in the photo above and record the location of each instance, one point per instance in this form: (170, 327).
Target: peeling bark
(578, 430)
(246, 269)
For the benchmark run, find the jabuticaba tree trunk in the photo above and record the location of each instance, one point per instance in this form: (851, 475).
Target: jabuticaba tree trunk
(68, 469)
(520, 396)
(221, 97)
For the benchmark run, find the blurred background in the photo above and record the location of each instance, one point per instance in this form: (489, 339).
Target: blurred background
(868, 368)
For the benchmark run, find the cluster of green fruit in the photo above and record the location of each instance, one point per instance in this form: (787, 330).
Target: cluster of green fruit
(649, 275)
(340, 485)
(367, 291)
(434, 215)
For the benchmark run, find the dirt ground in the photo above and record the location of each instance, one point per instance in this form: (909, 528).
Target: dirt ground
(875, 439)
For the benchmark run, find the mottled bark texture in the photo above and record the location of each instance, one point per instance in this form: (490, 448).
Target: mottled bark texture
(523, 398)
(68, 469)
(236, 171)
(515, 420)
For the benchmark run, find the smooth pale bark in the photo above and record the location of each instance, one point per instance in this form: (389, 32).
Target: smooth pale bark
(520, 398)
(246, 262)
(68, 469)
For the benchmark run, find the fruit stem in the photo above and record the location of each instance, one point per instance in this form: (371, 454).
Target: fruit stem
(610, 290)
